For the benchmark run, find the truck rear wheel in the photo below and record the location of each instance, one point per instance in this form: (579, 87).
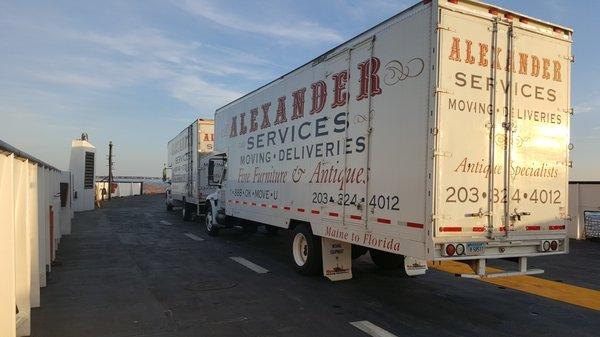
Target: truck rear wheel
(306, 251)
(211, 227)
(385, 260)
(186, 212)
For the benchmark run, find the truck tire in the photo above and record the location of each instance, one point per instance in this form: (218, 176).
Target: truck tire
(385, 260)
(306, 251)
(211, 227)
(186, 212)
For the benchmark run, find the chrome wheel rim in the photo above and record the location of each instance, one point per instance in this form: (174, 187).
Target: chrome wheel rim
(300, 249)
(209, 224)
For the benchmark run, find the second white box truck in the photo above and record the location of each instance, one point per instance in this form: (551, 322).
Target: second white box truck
(440, 134)
(188, 184)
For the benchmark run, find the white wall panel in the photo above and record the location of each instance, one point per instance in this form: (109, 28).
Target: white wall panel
(7, 248)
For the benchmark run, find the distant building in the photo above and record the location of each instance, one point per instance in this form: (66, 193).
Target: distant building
(82, 167)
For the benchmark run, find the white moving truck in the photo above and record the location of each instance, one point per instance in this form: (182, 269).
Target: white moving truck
(439, 134)
(188, 180)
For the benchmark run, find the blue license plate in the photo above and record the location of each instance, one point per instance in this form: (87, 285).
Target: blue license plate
(475, 248)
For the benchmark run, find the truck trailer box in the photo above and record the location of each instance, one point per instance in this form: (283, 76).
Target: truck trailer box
(439, 134)
(189, 185)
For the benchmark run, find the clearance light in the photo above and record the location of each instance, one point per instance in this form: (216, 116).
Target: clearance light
(450, 249)
(460, 249)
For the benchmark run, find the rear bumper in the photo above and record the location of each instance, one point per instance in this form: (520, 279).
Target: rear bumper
(504, 248)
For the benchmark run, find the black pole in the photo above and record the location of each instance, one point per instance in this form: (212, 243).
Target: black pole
(110, 173)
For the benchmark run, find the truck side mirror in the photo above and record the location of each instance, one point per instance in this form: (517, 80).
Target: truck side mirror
(211, 171)
(215, 172)
(164, 174)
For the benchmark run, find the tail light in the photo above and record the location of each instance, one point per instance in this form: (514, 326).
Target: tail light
(549, 245)
(450, 249)
(460, 249)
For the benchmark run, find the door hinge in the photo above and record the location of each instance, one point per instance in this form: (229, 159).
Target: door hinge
(570, 58)
(439, 90)
(442, 27)
(570, 111)
(442, 154)
(434, 131)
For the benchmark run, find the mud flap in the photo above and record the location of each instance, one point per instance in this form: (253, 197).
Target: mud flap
(337, 259)
(413, 266)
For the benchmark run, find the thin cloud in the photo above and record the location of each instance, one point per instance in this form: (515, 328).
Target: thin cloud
(72, 79)
(590, 105)
(299, 31)
(367, 10)
(200, 94)
(179, 67)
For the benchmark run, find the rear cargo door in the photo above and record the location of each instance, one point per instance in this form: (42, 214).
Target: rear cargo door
(502, 129)
(192, 155)
(355, 187)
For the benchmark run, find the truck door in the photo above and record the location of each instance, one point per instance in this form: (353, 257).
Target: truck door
(189, 185)
(534, 136)
(354, 189)
(502, 129)
(337, 67)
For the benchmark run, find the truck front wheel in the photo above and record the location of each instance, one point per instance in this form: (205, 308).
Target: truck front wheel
(306, 251)
(211, 227)
(186, 212)
(385, 260)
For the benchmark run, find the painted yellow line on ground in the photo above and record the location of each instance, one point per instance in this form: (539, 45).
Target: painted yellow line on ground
(563, 292)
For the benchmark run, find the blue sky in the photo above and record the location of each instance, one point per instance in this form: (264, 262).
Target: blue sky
(137, 72)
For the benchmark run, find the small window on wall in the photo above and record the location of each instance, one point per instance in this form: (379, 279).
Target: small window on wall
(88, 178)
(64, 194)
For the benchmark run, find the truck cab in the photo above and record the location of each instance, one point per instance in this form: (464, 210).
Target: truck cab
(166, 178)
(216, 176)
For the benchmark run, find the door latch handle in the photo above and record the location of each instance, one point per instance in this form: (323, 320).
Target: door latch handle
(516, 216)
(480, 214)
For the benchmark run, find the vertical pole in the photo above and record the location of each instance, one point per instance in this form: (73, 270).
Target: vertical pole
(492, 134)
(508, 131)
(110, 173)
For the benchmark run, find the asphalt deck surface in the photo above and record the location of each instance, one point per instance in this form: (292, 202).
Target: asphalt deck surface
(128, 269)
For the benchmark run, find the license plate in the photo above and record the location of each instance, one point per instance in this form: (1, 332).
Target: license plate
(475, 248)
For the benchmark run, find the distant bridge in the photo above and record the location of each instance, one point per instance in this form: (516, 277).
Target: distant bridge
(105, 178)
